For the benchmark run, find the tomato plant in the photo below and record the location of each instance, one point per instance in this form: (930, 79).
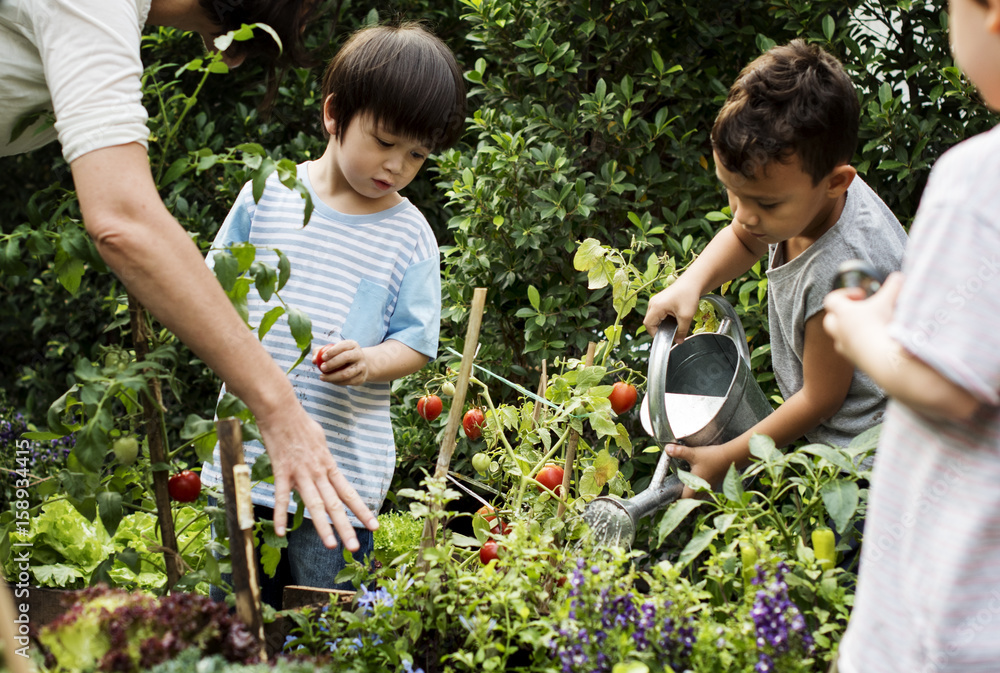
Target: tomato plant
(472, 423)
(623, 396)
(551, 477)
(185, 486)
(429, 407)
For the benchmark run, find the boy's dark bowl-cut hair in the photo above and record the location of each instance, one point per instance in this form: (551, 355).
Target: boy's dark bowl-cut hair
(405, 77)
(793, 99)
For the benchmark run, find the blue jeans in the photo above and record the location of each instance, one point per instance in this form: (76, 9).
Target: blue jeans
(304, 562)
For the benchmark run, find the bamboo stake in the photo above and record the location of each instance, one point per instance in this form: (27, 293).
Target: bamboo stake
(239, 519)
(449, 440)
(16, 662)
(543, 382)
(574, 439)
(152, 406)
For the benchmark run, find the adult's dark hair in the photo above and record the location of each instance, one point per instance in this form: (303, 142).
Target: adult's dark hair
(405, 77)
(286, 17)
(794, 99)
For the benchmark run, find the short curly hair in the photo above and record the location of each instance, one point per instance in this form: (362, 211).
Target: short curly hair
(405, 77)
(794, 99)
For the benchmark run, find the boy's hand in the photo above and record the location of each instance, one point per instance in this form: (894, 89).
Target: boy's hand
(711, 463)
(678, 301)
(852, 323)
(344, 364)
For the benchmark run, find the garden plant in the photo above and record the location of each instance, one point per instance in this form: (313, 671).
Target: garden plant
(584, 184)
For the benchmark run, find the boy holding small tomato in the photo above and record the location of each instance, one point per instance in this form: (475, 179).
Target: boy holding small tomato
(928, 594)
(782, 144)
(365, 269)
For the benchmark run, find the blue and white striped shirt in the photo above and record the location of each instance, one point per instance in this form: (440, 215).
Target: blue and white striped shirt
(362, 277)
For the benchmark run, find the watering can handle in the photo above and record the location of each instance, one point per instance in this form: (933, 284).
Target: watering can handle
(663, 341)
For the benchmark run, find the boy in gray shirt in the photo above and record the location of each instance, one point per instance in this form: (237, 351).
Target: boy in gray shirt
(782, 143)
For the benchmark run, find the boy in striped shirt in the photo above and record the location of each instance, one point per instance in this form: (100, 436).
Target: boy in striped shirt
(928, 594)
(365, 268)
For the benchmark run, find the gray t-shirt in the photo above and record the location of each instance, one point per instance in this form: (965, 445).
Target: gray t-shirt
(867, 230)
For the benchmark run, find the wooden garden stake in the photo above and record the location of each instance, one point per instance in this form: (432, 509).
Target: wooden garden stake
(152, 406)
(543, 382)
(239, 520)
(449, 440)
(574, 439)
(12, 620)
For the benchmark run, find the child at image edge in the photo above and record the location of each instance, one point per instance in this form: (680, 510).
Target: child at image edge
(928, 595)
(782, 143)
(366, 268)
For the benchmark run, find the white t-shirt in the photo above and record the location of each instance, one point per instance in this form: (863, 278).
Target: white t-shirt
(928, 598)
(79, 61)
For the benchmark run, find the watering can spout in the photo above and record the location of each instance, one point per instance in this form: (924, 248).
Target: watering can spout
(613, 521)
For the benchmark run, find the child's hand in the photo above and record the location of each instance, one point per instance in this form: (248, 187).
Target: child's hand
(852, 322)
(678, 301)
(343, 363)
(711, 463)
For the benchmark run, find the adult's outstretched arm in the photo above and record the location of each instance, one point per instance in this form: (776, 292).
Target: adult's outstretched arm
(159, 263)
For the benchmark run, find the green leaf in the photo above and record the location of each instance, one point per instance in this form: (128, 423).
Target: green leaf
(841, 500)
(109, 506)
(227, 269)
(674, 515)
(762, 447)
(831, 455)
(605, 467)
(69, 270)
(699, 543)
(301, 327)
(533, 297)
(267, 322)
(284, 269)
(828, 27)
(588, 255)
(693, 481)
(732, 487)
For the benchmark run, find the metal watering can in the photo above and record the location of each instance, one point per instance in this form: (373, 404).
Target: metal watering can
(711, 396)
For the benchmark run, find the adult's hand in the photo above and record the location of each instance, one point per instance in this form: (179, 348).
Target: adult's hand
(157, 261)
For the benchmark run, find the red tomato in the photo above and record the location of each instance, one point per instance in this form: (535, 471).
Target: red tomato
(488, 552)
(488, 513)
(318, 358)
(184, 486)
(622, 397)
(429, 407)
(473, 422)
(551, 477)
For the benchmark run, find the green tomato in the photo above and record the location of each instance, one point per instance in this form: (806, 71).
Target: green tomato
(448, 388)
(481, 463)
(126, 450)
